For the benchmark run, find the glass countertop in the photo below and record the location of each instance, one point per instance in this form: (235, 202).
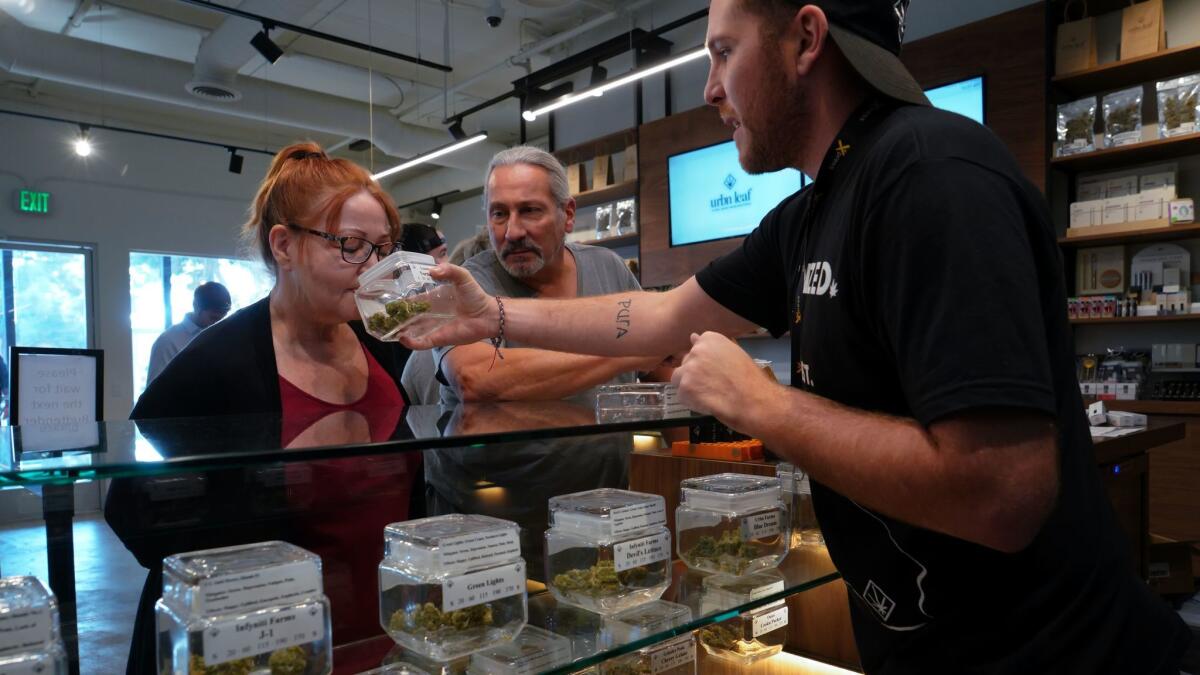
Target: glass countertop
(59, 454)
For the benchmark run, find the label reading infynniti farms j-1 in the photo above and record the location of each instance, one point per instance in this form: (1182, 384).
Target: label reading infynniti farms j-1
(769, 621)
(273, 586)
(761, 525)
(263, 633)
(479, 549)
(24, 630)
(673, 655)
(642, 551)
(477, 588)
(639, 516)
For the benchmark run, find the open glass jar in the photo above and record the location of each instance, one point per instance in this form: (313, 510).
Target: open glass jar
(398, 296)
(608, 549)
(676, 656)
(748, 637)
(732, 523)
(798, 492)
(452, 585)
(29, 637)
(243, 609)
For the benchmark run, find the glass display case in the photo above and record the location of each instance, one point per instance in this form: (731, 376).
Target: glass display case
(248, 492)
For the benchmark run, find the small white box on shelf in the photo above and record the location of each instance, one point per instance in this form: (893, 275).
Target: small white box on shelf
(1116, 211)
(1127, 391)
(1121, 186)
(1091, 189)
(1083, 214)
(1182, 211)
(1119, 418)
(1154, 181)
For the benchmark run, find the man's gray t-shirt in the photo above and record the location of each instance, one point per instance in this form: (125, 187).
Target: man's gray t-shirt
(533, 471)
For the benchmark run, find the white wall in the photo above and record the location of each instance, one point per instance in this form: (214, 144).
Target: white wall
(133, 193)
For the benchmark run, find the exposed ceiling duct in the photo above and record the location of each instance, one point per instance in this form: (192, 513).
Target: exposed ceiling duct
(29, 53)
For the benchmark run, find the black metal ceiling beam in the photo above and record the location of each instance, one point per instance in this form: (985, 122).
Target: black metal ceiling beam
(638, 38)
(138, 132)
(268, 23)
(428, 199)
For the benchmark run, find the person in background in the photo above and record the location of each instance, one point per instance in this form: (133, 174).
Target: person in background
(422, 238)
(303, 354)
(210, 304)
(934, 401)
(418, 376)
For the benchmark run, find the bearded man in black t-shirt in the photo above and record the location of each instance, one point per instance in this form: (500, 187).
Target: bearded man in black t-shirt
(933, 399)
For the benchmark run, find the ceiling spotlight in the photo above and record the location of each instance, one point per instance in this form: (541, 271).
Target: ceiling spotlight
(456, 130)
(360, 145)
(436, 211)
(235, 161)
(83, 146)
(265, 46)
(599, 74)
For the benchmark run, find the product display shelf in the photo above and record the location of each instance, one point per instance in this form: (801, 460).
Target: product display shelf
(1168, 233)
(614, 242)
(610, 193)
(1118, 74)
(1158, 150)
(1135, 319)
(804, 569)
(1150, 407)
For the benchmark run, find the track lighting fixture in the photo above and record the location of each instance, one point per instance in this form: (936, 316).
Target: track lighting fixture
(265, 45)
(235, 161)
(83, 145)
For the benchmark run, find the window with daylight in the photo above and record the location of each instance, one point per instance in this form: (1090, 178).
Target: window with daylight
(160, 295)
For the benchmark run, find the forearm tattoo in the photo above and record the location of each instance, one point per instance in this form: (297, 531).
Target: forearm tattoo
(623, 316)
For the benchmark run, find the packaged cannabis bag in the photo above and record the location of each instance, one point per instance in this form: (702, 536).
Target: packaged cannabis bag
(1076, 127)
(1178, 105)
(1123, 117)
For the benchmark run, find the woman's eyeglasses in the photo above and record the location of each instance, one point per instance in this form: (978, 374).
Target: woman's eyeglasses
(355, 250)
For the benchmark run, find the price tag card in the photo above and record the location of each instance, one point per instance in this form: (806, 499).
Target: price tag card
(261, 634)
(477, 588)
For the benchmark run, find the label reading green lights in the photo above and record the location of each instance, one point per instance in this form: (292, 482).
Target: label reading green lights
(29, 201)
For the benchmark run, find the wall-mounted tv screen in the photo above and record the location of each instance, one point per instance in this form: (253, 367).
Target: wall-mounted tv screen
(964, 98)
(712, 197)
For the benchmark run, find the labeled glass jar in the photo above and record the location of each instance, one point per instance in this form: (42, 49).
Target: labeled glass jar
(535, 650)
(397, 296)
(608, 549)
(452, 585)
(242, 609)
(732, 523)
(797, 491)
(676, 656)
(644, 620)
(638, 401)
(29, 637)
(748, 637)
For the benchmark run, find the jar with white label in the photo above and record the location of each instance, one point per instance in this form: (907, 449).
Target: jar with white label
(452, 585)
(535, 650)
(29, 637)
(748, 637)
(732, 523)
(644, 620)
(608, 549)
(676, 656)
(798, 491)
(397, 296)
(250, 608)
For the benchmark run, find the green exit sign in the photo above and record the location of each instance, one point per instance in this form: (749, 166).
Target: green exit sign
(29, 201)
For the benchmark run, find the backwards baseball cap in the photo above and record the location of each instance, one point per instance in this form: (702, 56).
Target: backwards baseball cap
(870, 33)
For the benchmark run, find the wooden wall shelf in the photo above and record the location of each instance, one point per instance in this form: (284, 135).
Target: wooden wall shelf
(1159, 150)
(613, 242)
(1156, 407)
(1119, 74)
(628, 188)
(1135, 237)
(1135, 319)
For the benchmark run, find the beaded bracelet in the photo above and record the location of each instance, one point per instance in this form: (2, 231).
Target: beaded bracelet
(499, 339)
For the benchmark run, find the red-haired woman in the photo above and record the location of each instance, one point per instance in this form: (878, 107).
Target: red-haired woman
(300, 353)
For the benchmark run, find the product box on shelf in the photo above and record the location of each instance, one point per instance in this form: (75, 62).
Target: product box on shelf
(1087, 213)
(249, 608)
(732, 523)
(1100, 270)
(608, 549)
(30, 642)
(1181, 211)
(452, 585)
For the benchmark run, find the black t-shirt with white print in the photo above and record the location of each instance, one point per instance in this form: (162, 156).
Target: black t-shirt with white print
(920, 277)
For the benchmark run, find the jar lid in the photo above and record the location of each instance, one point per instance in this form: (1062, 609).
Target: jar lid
(608, 513)
(454, 543)
(732, 492)
(239, 579)
(394, 264)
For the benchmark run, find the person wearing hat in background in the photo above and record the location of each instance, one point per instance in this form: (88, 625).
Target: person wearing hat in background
(422, 238)
(210, 304)
(933, 400)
